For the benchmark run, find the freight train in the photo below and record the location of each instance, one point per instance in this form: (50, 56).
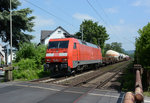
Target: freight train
(112, 57)
(69, 55)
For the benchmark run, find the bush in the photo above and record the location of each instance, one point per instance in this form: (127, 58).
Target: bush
(30, 59)
(26, 50)
(26, 64)
(128, 80)
(28, 70)
(40, 55)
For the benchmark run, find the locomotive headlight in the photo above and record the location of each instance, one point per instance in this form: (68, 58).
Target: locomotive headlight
(48, 60)
(64, 59)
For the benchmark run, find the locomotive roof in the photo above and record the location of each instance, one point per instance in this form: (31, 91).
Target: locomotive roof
(88, 44)
(80, 41)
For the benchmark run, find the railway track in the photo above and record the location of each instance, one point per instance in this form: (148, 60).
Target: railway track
(48, 79)
(100, 79)
(107, 80)
(57, 80)
(85, 78)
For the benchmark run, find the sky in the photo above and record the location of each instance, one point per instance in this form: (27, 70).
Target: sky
(122, 18)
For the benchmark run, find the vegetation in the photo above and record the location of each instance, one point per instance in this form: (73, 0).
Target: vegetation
(30, 60)
(2, 63)
(31, 51)
(21, 23)
(142, 55)
(147, 93)
(93, 33)
(128, 79)
(131, 55)
(114, 46)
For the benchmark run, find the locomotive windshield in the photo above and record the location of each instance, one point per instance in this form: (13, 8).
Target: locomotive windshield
(58, 44)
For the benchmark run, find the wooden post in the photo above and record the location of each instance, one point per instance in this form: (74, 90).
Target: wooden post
(8, 73)
(138, 84)
(129, 98)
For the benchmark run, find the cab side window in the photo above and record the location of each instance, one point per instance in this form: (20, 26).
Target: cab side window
(74, 46)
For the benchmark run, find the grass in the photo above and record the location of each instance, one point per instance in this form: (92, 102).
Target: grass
(128, 79)
(29, 74)
(147, 93)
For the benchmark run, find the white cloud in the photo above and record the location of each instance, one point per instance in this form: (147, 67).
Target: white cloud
(124, 34)
(125, 29)
(121, 21)
(40, 22)
(83, 17)
(141, 3)
(112, 10)
(137, 3)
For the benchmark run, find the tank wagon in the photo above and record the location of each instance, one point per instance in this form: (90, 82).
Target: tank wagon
(114, 54)
(112, 57)
(70, 54)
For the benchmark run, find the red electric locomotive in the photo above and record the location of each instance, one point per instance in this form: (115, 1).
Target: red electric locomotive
(70, 54)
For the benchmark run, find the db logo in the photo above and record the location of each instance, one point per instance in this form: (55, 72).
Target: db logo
(56, 54)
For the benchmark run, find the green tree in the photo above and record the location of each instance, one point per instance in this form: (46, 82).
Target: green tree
(21, 22)
(143, 46)
(107, 47)
(93, 33)
(114, 46)
(117, 47)
(31, 51)
(142, 52)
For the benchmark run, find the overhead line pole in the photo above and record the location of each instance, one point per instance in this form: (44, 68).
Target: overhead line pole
(82, 32)
(10, 33)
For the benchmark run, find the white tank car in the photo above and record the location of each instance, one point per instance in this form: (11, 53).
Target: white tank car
(127, 57)
(122, 56)
(112, 53)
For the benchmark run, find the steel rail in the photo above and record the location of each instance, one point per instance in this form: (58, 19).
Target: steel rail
(95, 76)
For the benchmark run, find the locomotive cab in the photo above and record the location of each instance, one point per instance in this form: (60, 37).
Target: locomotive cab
(57, 55)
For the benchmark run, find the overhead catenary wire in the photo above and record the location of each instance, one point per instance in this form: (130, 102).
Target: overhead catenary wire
(103, 19)
(98, 14)
(103, 10)
(51, 14)
(109, 18)
(65, 13)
